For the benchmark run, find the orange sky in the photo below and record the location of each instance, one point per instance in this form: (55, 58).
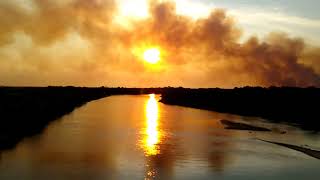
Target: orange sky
(102, 43)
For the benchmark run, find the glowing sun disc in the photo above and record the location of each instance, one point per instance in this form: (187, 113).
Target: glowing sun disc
(152, 55)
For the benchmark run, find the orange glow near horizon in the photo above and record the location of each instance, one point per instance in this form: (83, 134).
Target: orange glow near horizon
(152, 133)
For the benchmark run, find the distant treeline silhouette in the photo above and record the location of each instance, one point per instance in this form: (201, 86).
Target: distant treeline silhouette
(297, 106)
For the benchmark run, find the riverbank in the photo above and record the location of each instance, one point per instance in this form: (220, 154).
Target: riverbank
(307, 151)
(296, 106)
(26, 111)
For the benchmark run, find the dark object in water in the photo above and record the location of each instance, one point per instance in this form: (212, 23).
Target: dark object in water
(310, 152)
(242, 126)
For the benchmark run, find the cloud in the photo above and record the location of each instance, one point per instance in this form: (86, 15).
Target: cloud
(214, 42)
(76, 42)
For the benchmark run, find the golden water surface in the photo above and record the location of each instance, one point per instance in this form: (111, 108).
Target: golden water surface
(137, 137)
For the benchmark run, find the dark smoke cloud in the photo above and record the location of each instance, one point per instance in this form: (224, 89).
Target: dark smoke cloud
(204, 52)
(272, 61)
(50, 20)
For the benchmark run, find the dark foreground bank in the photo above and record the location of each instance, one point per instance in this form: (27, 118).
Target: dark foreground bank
(297, 106)
(27, 111)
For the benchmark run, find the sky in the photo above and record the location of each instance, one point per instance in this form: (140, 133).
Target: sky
(299, 18)
(203, 43)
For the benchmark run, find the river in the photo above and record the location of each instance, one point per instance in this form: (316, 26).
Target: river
(137, 137)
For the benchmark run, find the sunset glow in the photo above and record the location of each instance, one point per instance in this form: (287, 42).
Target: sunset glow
(159, 43)
(152, 55)
(159, 89)
(152, 134)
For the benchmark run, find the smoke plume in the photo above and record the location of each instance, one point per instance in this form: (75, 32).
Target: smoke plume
(78, 42)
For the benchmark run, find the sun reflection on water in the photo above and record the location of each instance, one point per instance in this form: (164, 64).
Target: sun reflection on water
(152, 133)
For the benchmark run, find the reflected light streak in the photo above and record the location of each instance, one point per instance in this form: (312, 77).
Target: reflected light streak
(152, 133)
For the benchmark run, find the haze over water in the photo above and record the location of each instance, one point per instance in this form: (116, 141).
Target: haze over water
(136, 137)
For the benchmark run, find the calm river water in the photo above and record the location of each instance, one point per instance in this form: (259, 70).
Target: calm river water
(136, 137)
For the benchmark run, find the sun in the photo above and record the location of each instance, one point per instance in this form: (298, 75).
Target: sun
(152, 55)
